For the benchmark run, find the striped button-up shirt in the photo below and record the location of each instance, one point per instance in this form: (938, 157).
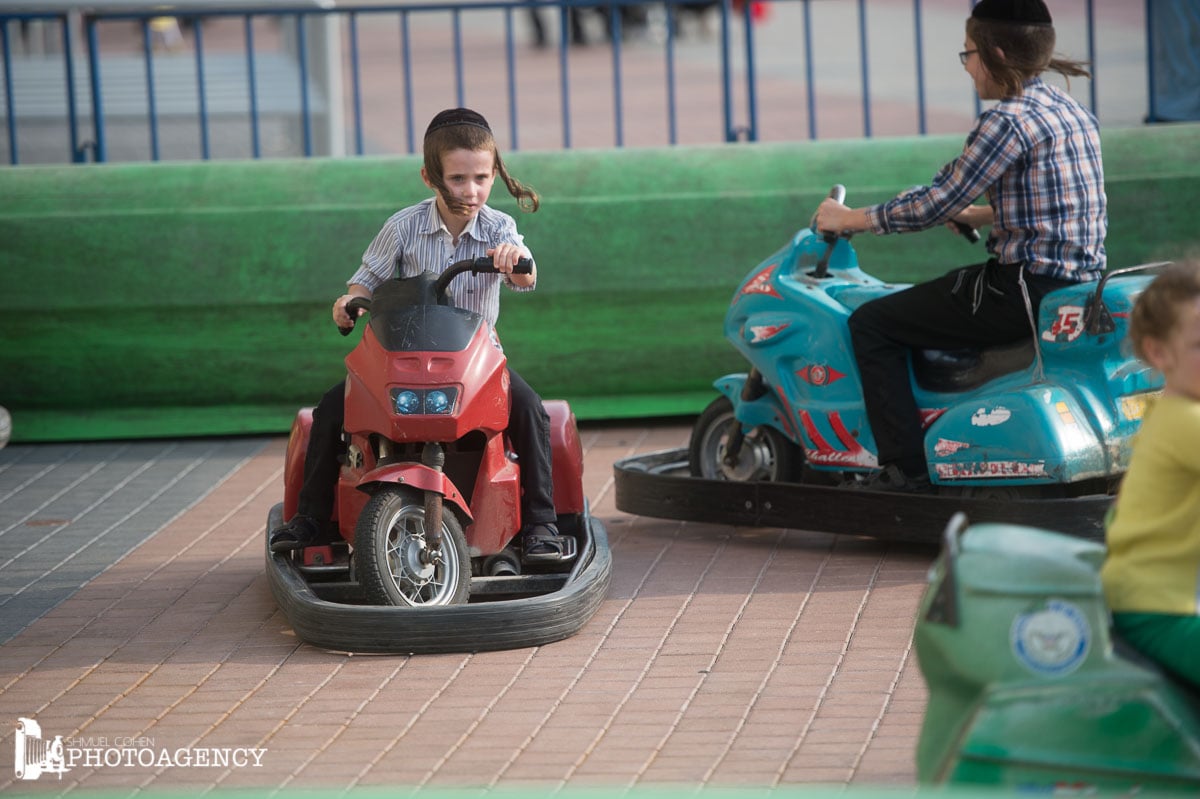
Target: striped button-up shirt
(1037, 159)
(418, 238)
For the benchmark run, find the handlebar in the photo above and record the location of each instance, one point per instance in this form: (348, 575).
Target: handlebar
(943, 605)
(354, 308)
(478, 266)
(966, 231)
(837, 194)
(481, 265)
(954, 530)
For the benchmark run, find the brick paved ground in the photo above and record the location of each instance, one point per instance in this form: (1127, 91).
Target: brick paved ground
(722, 656)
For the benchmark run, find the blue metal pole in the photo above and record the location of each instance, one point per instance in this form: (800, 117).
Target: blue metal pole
(920, 58)
(97, 105)
(615, 23)
(672, 122)
(9, 105)
(510, 56)
(356, 83)
(865, 66)
(978, 102)
(198, 33)
(726, 74)
(406, 51)
(459, 93)
(1091, 50)
(151, 105)
(252, 85)
(1152, 113)
(305, 105)
(751, 80)
(563, 72)
(808, 71)
(77, 155)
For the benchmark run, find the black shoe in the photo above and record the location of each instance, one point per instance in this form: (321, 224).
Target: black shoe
(542, 543)
(891, 478)
(298, 533)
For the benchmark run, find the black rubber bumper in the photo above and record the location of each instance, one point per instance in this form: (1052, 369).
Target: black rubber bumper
(659, 485)
(478, 626)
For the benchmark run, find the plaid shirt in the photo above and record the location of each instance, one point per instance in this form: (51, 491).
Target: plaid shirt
(416, 234)
(1037, 158)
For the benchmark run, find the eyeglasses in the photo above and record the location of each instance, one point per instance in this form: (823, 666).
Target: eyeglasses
(965, 54)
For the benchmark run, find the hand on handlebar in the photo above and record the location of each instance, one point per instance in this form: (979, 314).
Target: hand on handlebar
(505, 258)
(342, 317)
(963, 229)
(967, 222)
(832, 218)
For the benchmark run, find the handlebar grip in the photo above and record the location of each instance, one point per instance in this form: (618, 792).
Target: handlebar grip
(484, 263)
(838, 195)
(354, 309)
(966, 231)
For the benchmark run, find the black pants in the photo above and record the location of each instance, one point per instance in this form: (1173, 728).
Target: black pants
(975, 306)
(528, 430)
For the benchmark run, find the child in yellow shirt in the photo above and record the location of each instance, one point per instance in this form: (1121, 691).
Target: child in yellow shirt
(1152, 572)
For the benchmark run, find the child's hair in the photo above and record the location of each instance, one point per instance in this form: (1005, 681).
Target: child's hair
(1156, 312)
(1028, 52)
(464, 129)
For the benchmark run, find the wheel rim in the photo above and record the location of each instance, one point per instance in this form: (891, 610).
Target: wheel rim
(757, 460)
(421, 575)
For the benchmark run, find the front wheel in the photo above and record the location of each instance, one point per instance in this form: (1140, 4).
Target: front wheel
(766, 454)
(396, 565)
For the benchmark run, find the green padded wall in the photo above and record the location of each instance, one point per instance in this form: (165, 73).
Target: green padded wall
(193, 298)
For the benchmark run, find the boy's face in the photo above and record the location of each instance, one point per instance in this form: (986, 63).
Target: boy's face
(984, 86)
(468, 176)
(1178, 356)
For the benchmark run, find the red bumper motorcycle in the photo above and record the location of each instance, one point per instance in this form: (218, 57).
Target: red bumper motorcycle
(428, 498)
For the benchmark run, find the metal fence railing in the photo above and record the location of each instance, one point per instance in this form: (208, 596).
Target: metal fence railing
(121, 82)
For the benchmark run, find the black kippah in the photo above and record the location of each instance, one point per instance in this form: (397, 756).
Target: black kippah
(457, 116)
(1016, 12)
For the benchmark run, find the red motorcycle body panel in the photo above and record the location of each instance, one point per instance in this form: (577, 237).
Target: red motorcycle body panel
(385, 445)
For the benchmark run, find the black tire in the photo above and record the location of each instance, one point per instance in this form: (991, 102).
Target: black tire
(502, 624)
(766, 455)
(395, 565)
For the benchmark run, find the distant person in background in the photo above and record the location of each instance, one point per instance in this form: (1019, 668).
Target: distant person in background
(1174, 27)
(165, 34)
(632, 18)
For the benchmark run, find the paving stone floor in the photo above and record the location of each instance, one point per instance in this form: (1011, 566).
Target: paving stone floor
(136, 614)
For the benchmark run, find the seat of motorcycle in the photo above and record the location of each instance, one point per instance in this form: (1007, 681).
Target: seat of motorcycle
(1124, 650)
(964, 369)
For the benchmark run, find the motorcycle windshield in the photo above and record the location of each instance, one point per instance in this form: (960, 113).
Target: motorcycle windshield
(425, 328)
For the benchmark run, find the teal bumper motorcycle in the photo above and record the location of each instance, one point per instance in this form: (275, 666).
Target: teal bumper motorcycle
(1028, 689)
(1035, 432)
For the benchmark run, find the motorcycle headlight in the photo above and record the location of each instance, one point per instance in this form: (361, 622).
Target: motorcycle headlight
(424, 402)
(437, 401)
(407, 402)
